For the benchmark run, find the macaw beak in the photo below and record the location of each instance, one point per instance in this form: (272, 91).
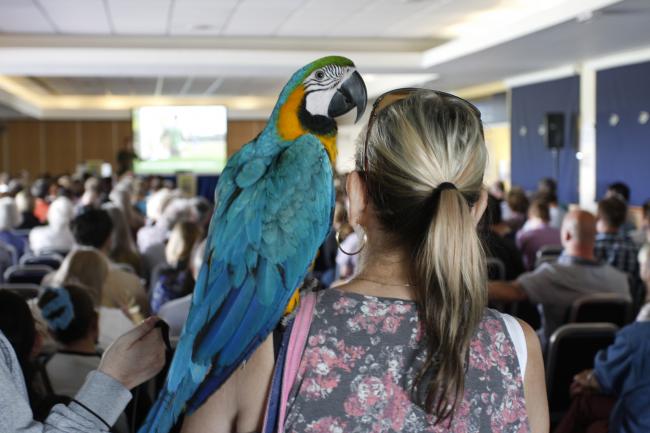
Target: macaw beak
(351, 93)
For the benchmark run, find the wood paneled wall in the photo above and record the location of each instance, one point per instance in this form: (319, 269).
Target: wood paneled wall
(59, 146)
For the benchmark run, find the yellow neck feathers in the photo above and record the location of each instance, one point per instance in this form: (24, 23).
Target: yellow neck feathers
(289, 126)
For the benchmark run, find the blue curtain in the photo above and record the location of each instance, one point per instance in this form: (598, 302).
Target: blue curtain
(531, 160)
(623, 143)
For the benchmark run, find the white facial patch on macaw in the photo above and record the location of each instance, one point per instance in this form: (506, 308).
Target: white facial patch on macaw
(321, 85)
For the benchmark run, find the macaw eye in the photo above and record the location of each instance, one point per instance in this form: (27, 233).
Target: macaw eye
(320, 75)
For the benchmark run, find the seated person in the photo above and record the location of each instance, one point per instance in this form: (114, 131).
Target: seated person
(10, 219)
(134, 358)
(175, 312)
(555, 286)
(642, 234)
(56, 235)
(536, 233)
(620, 372)
(516, 207)
(176, 281)
(86, 268)
(93, 228)
(73, 323)
(612, 246)
(622, 191)
(498, 246)
(547, 191)
(25, 204)
(644, 264)
(123, 249)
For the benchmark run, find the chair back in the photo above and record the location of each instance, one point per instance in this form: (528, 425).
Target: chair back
(539, 261)
(30, 274)
(52, 260)
(496, 269)
(603, 307)
(26, 291)
(10, 250)
(572, 349)
(550, 250)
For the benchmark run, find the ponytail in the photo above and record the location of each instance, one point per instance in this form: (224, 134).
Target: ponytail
(426, 157)
(449, 273)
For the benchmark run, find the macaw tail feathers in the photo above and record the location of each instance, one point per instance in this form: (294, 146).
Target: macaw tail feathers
(166, 410)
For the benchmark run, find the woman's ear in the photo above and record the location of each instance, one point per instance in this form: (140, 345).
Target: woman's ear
(479, 207)
(357, 197)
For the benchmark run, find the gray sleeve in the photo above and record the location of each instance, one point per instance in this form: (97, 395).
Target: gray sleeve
(536, 284)
(100, 394)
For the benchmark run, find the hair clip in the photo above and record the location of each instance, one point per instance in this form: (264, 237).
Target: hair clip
(59, 312)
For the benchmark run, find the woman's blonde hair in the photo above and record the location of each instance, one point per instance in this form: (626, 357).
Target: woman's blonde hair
(85, 267)
(181, 242)
(415, 145)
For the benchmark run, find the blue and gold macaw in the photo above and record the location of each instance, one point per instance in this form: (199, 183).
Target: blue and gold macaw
(274, 206)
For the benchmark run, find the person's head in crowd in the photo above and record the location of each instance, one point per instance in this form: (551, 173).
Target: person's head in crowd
(645, 209)
(155, 183)
(24, 202)
(17, 324)
(612, 212)
(197, 258)
(177, 209)
(10, 217)
(620, 190)
(517, 200)
(539, 212)
(498, 190)
(157, 202)
(40, 188)
(93, 228)
(92, 193)
(182, 240)
(579, 234)
(418, 184)
(547, 185)
(121, 240)
(84, 267)
(71, 318)
(60, 213)
(202, 210)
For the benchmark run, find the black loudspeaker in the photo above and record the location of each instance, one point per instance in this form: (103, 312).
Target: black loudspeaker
(554, 125)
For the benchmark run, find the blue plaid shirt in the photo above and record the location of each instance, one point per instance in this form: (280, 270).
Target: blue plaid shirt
(619, 251)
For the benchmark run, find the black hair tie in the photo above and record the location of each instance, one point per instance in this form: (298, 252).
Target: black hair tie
(435, 194)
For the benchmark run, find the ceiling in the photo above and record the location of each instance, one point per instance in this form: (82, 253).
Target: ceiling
(100, 58)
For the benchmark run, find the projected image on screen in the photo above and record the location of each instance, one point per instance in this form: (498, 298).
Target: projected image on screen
(172, 139)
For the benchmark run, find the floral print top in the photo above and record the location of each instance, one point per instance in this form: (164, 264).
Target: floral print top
(360, 361)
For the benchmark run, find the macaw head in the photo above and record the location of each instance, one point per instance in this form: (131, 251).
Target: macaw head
(316, 94)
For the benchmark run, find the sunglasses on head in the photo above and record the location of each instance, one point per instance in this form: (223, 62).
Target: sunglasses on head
(392, 96)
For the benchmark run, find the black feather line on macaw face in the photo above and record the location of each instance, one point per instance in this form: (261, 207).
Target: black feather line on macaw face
(317, 124)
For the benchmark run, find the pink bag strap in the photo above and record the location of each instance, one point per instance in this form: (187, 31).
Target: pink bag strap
(297, 342)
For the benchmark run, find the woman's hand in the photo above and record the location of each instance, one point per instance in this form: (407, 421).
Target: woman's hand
(584, 382)
(136, 356)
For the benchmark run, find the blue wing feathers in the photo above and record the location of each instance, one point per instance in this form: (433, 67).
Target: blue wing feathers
(273, 210)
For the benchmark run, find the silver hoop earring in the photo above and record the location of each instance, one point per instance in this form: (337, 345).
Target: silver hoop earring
(347, 253)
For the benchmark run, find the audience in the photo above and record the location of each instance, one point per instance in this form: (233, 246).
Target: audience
(88, 269)
(613, 246)
(176, 281)
(536, 233)
(175, 311)
(122, 289)
(547, 192)
(555, 286)
(10, 219)
(56, 235)
(122, 247)
(641, 235)
(25, 205)
(497, 245)
(615, 395)
(516, 209)
(40, 190)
